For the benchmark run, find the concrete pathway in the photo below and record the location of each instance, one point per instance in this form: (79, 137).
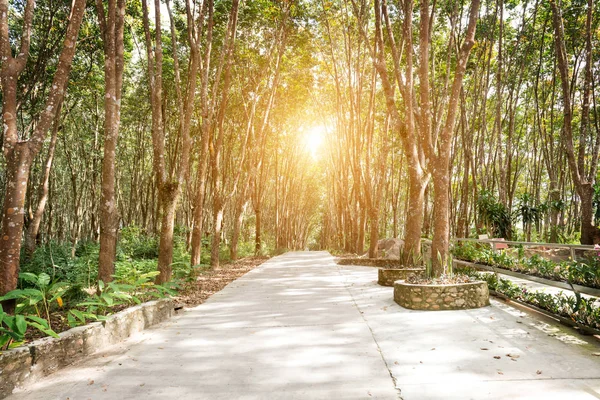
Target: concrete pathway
(301, 327)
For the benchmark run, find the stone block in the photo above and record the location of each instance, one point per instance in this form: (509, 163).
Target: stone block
(42, 357)
(387, 276)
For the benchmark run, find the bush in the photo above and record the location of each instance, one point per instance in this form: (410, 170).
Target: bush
(583, 272)
(576, 308)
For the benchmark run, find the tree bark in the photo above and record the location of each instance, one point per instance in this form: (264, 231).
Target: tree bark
(31, 238)
(111, 27)
(583, 182)
(440, 161)
(19, 154)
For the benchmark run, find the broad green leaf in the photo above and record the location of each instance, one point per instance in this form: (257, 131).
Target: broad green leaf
(38, 320)
(79, 315)
(43, 280)
(47, 331)
(29, 277)
(20, 324)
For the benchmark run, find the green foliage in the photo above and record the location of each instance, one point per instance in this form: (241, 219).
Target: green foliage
(583, 272)
(54, 259)
(39, 297)
(578, 309)
(494, 214)
(14, 327)
(114, 296)
(133, 243)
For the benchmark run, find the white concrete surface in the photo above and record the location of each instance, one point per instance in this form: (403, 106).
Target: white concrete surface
(301, 327)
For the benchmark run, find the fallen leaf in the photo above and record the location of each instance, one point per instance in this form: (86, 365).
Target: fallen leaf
(433, 348)
(484, 348)
(512, 355)
(596, 354)
(500, 373)
(519, 322)
(539, 372)
(497, 357)
(91, 382)
(396, 362)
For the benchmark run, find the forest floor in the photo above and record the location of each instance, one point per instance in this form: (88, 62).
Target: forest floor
(209, 281)
(301, 327)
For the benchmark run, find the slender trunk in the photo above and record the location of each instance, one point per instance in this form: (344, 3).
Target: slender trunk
(34, 227)
(258, 235)
(217, 229)
(374, 232)
(238, 219)
(203, 159)
(199, 203)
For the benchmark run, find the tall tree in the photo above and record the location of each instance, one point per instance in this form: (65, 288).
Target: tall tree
(111, 24)
(583, 177)
(20, 150)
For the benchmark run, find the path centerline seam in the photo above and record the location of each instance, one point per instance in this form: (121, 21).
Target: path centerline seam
(394, 379)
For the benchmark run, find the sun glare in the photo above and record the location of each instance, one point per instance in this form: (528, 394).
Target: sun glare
(314, 139)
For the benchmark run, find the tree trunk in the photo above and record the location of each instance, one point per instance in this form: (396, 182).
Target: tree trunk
(19, 155)
(17, 176)
(374, 232)
(258, 226)
(32, 232)
(414, 215)
(238, 219)
(441, 224)
(165, 247)
(111, 27)
(217, 229)
(199, 203)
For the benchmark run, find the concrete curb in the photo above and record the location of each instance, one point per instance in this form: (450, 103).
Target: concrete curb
(25, 365)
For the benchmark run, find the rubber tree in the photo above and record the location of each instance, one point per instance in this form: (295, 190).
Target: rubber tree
(170, 181)
(111, 23)
(582, 175)
(20, 151)
(438, 147)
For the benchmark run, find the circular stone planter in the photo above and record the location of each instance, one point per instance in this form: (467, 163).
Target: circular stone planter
(442, 297)
(387, 276)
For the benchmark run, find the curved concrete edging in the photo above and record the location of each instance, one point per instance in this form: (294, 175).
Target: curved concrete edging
(442, 297)
(26, 364)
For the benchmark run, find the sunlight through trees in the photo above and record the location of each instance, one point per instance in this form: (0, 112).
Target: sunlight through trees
(236, 127)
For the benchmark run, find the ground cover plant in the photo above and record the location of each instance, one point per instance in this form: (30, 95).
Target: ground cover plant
(58, 288)
(585, 272)
(579, 309)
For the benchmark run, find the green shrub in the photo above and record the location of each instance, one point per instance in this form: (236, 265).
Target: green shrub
(578, 309)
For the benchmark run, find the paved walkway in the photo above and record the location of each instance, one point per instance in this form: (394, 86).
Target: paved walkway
(301, 327)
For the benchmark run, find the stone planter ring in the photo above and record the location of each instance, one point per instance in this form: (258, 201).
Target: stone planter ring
(442, 297)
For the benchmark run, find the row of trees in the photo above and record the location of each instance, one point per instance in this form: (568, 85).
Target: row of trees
(462, 145)
(155, 115)
(438, 118)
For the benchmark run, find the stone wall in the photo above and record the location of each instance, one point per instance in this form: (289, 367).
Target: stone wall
(387, 276)
(26, 364)
(369, 262)
(442, 297)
